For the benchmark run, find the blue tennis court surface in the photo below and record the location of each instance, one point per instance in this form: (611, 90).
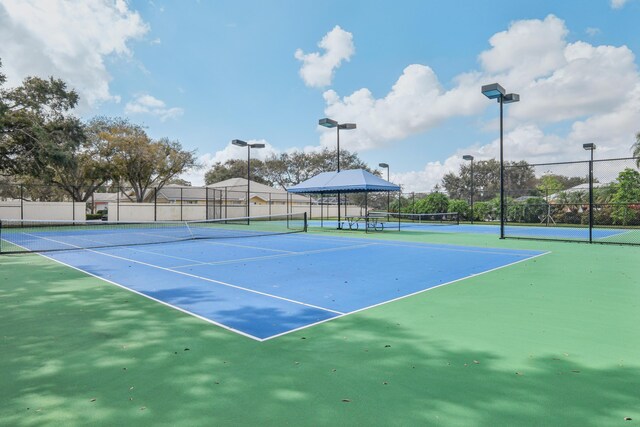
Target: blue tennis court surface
(266, 286)
(551, 232)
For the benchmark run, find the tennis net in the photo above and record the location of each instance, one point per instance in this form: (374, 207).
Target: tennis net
(443, 218)
(41, 236)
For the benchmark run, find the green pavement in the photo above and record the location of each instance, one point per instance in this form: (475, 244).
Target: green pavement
(550, 341)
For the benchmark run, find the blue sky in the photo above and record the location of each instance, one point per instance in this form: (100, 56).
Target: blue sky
(408, 72)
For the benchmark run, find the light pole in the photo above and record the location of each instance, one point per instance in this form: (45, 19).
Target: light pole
(241, 143)
(329, 123)
(386, 166)
(590, 147)
(495, 91)
(470, 158)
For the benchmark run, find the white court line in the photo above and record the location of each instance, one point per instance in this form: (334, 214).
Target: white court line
(259, 258)
(292, 330)
(199, 277)
(404, 296)
(215, 242)
(432, 246)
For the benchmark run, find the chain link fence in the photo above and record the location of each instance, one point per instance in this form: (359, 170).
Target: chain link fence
(585, 201)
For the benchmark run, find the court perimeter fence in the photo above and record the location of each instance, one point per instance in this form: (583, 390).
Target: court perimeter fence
(169, 203)
(590, 201)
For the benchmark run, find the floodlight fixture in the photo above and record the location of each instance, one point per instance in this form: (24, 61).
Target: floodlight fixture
(328, 123)
(241, 143)
(467, 157)
(383, 165)
(589, 146)
(495, 91)
(347, 126)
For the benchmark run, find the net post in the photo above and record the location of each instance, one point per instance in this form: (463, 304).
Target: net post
(206, 203)
(155, 203)
(305, 222)
(118, 203)
(399, 202)
(21, 201)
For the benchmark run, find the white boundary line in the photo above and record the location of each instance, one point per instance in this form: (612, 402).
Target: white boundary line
(340, 315)
(259, 258)
(405, 296)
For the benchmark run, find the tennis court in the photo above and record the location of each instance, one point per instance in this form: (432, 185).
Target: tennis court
(264, 286)
(526, 231)
(319, 328)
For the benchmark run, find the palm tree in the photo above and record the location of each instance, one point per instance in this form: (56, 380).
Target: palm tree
(636, 149)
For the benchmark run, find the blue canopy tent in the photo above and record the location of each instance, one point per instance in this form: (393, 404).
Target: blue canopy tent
(345, 181)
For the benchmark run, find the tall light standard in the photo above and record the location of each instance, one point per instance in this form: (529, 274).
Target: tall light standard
(386, 166)
(590, 147)
(329, 123)
(470, 158)
(495, 91)
(241, 143)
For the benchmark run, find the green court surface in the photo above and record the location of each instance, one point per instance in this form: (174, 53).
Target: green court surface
(553, 340)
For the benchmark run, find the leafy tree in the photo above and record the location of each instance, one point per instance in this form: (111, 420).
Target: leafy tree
(139, 161)
(234, 168)
(433, 203)
(636, 149)
(460, 206)
(36, 125)
(627, 197)
(549, 184)
(486, 176)
(481, 211)
(179, 181)
(286, 169)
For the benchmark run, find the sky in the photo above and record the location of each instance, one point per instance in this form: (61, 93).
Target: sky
(408, 73)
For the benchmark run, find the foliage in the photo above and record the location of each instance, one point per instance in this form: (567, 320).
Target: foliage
(286, 169)
(481, 211)
(235, 168)
(139, 161)
(460, 206)
(433, 203)
(636, 149)
(549, 184)
(486, 178)
(36, 125)
(626, 200)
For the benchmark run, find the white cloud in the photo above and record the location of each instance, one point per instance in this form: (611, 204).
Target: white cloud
(68, 40)
(560, 83)
(207, 160)
(318, 69)
(147, 104)
(617, 4)
(593, 31)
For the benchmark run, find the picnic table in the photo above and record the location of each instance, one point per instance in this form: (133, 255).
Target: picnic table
(370, 221)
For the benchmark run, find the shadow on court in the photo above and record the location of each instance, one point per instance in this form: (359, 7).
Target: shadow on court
(78, 351)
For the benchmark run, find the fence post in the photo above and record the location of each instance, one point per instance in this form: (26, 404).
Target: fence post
(591, 198)
(21, 202)
(181, 203)
(206, 203)
(321, 210)
(118, 203)
(226, 203)
(73, 208)
(155, 203)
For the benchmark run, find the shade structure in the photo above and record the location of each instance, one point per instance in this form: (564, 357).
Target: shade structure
(345, 181)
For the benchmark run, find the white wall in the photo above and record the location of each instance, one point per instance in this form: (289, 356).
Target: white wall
(43, 210)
